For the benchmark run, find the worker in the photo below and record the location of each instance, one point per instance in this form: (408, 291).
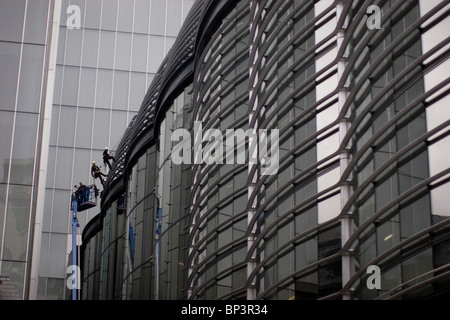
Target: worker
(82, 193)
(106, 157)
(96, 173)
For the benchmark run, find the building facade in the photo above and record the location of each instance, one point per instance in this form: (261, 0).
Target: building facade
(26, 68)
(73, 75)
(107, 55)
(357, 91)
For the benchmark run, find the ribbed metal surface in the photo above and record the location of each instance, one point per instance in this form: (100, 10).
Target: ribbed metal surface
(181, 53)
(380, 74)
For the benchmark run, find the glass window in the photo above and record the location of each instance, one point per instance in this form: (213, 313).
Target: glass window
(138, 90)
(22, 159)
(59, 216)
(64, 158)
(17, 271)
(158, 17)
(87, 85)
(93, 9)
(120, 92)
(84, 128)
(125, 19)
(36, 22)
(139, 61)
(16, 225)
(54, 125)
(141, 14)
(30, 80)
(104, 88)
(119, 123)
(11, 19)
(51, 167)
(101, 129)
(73, 47)
(173, 17)
(6, 126)
(70, 86)
(58, 85)
(9, 65)
(2, 208)
(156, 53)
(66, 132)
(107, 43)
(123, 51)
(61, 45)
(109, 15)
(90, 48)
(55, 288)
(82, 166)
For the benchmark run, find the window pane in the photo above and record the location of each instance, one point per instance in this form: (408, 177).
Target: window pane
(36, 22)
(9, 65)
(156, 53)
(107, 41)
(6, 122)
(64, 162)
(82, 166)
(70, 86)
(119, 123)
(66, 126)
(16, 226)
(120, 92)
(125, 20)
(22, 159)
(87, 87)
(17, 272)
(137, 91)
(90, 48)
(11, 19)
(173, 17)
(57, 254)
(109, 15)
(123, 51)
(93, 9)
(104, 89)
(73, 46)
(84, 128)
(30, 80)
(59, 216)
(101, 129)
(2, 208)
(139, 61)
(158, 20)
(141, 14)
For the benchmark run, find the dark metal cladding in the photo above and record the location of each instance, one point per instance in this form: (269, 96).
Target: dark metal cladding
(142, 126)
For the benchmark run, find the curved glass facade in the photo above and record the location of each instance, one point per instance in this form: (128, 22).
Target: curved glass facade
(356, 180)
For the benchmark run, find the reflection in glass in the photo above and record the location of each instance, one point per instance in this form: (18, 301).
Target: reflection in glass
(9, 65)
(22, 158)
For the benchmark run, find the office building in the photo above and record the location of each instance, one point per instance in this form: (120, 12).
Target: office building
(74, 73)
(26, 29)
(355, 209)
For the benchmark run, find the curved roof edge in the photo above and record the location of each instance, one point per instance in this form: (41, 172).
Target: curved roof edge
(175, 71)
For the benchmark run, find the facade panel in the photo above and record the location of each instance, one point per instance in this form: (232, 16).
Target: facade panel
(102, 73)
(25, 46)
(353, 180)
